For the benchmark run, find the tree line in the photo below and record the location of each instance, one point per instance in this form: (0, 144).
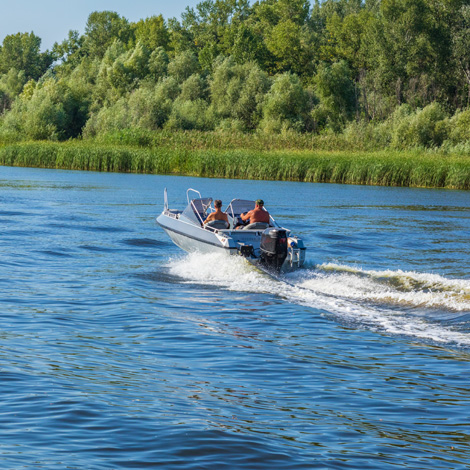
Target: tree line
(394, 72)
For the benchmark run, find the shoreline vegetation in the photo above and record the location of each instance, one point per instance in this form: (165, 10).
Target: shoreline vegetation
(261, 158)
(344, 91)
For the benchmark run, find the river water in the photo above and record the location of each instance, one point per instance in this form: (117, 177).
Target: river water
(117, 350)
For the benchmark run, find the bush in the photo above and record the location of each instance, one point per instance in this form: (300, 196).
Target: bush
(183, 66)
(158, 64)
(145, 108)
(459, 127)
(238, 92)
(335, 90)
(426, 127)
(194, 88)
(286, 105)
(49, 110)
(11, 85)
(108, 119)
(188, 115)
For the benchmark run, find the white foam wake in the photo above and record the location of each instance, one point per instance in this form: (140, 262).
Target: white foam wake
(401, 288)
(383, 300)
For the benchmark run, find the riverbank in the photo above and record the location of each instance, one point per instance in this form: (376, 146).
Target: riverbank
(387, 168)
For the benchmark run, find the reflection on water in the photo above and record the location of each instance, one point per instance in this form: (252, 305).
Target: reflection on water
(117, 350)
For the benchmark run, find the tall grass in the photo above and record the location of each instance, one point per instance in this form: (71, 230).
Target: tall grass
(228, 140)
(389, 168)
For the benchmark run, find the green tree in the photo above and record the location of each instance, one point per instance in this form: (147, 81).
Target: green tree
(410, 40)
(102, 29)
(11, 85)
(213, 25)
(189, 115)
(335, 90)
(112, 79)
(286, 105)
(70, 51)
(238, 92)
(461, 47)
(273, 12)
(181, 38)
(21, 51)
(158, 63)
(152, 32)
(249, 46)
(128, 69)
(425, 127)
(346, 38)
(49, 110)
(283, 25)
(148, 107)
(194, 88)
(183, 65)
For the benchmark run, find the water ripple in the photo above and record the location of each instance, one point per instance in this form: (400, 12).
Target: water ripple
(119, 351)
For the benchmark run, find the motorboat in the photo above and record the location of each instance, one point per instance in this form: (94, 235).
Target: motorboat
(269, 246)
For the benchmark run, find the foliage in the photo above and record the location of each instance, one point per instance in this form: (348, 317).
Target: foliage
(102, 29)
(145, 108)
(21, 52)
(335, 90)
(152, 32)
(194, 88)
(190, 114)
(11, 85)
(335, 73)
(286, 105)
(424, 127)
(182, 66)
(70, 51)
(238, 92)
(158, 63)
(49, 110)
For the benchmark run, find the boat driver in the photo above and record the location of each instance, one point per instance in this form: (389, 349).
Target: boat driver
(258, 214)
(217, 214)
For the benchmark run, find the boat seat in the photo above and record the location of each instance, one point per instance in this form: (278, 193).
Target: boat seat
(217, 224)
(256, 226)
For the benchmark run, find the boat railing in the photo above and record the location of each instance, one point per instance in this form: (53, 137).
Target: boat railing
(194, 191)
(272, 222)
(203, 208)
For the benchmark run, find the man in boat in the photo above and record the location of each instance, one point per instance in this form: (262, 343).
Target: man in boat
(217, 214)
(258, 214)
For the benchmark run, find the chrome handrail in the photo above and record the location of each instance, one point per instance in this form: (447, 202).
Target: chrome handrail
(193, 190)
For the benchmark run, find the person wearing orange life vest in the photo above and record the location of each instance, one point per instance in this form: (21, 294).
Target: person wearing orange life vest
(258, 214)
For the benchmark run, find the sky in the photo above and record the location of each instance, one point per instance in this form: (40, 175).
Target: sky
(51, 20)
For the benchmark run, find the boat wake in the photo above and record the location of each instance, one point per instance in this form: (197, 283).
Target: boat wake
(399, 288)
(422, 305)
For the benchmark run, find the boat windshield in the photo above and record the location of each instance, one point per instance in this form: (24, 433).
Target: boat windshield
(239, 206)
(196, 211)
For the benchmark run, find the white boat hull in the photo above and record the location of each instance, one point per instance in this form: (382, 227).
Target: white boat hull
(191, 238)
(192, 245)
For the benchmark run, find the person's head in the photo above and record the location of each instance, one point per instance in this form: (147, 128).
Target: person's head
(259, 202)
(217, 203)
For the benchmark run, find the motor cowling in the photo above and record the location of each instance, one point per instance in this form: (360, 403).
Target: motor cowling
(273, 248)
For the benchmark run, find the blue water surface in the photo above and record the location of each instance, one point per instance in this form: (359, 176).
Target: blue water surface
(117, 350)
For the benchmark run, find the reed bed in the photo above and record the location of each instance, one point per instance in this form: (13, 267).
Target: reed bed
(225, 140)
(388, 168)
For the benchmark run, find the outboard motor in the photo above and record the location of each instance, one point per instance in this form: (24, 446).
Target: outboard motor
(273, 248)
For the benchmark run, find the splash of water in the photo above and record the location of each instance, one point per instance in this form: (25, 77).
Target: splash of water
(399, 288)
(397, 302)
